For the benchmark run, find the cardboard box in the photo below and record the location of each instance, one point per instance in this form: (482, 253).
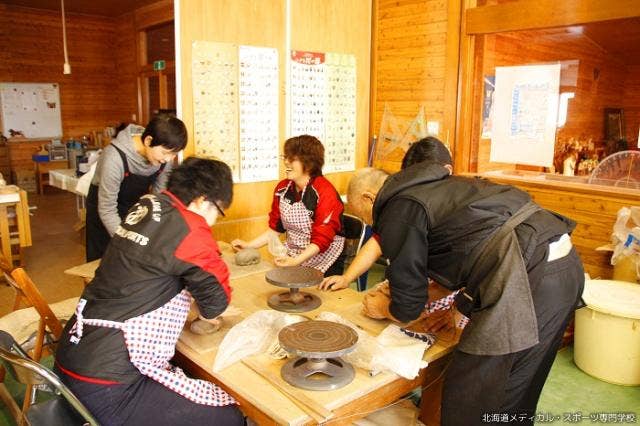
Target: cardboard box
(25, 179)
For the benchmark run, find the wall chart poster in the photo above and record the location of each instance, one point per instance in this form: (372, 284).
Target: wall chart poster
(323, 104)
(215, 102)
(308, 90)
(236, 107)
(340, 129)
(259, 123)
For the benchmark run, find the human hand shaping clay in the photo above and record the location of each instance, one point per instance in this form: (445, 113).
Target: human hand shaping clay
(285, 261)
(239, 244)
(333, 283)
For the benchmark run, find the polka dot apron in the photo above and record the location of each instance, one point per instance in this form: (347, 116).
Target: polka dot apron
(151, 340)
(297, 221)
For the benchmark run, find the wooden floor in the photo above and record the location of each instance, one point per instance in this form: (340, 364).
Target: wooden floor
(56, 247)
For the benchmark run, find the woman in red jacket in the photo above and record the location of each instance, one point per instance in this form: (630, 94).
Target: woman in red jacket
(307, 208)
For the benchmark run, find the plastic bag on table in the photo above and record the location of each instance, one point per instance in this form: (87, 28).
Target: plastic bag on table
(392, 350)
(257, 333)
(276, 248)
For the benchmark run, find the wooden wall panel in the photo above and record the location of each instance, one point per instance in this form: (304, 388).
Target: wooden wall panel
(341, 26)
(594, 210)
(125, 57)
(631, 104)
(33, 53)
(336, 26)
(414, 42)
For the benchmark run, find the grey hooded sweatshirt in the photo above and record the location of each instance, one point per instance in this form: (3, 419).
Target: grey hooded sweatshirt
(110, 173)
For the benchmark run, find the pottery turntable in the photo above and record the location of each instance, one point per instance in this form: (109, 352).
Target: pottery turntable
(317, 345)
(294, 278)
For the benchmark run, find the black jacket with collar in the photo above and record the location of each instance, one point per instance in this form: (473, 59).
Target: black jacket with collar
(428, 223)
(159, 249)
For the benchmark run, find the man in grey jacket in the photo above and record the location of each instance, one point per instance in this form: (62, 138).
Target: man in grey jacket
(136, 162)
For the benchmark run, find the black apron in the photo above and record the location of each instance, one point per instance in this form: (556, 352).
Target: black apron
(132, 188)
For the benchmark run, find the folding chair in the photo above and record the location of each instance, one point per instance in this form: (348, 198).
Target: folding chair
(354, 230)
(39, 326)
(63, 409)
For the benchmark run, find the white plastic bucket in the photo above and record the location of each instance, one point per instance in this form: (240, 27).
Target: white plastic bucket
(607, 332)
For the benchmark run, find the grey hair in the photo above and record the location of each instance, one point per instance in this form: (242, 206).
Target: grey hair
(366, 179)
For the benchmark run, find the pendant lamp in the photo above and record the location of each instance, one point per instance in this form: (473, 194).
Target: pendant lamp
(66, 68)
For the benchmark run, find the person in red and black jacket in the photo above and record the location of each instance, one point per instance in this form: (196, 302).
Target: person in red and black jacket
(308, 208)
(114, 353)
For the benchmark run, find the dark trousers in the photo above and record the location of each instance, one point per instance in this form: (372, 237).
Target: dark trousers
(97, 237)
(147, 402)
(477, 387)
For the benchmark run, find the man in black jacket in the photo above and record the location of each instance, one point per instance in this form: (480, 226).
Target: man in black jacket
(115, 351)
(520, 276)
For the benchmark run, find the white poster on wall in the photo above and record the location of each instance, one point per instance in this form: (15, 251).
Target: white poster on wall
(323, 104)
(525, 114)
(215, 102)
(340, 119)
(258, 91)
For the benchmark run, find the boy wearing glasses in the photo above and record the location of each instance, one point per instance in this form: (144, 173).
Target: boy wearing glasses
(115, 352)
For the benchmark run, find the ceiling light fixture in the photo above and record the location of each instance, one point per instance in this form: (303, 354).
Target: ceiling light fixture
(66, 68)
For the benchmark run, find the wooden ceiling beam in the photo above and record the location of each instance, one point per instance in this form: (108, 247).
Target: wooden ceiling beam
(537, 14)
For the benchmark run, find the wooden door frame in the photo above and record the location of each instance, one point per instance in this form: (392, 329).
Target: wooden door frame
(515, 16)
(146, 17)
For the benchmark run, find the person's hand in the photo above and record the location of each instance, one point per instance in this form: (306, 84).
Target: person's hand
(333, 283)
(215, 321)
(376, 305)
(441, 323)
(238, 244)
(383, 287)
(285, 261)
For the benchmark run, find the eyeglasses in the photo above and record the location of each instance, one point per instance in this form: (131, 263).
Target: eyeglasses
(218, 207)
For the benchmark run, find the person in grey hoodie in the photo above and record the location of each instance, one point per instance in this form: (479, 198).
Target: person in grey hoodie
(136, 162)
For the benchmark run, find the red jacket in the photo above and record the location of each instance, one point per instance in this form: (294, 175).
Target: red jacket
(323, 203)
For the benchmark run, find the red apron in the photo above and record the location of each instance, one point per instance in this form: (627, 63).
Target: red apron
(151, 341)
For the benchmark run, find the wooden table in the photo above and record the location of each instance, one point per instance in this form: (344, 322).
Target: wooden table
(87, 271)
(264, 403)
(68, 180)
(43, 167)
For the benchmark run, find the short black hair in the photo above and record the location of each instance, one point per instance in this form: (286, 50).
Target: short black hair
(196, 177)
(427, 149)
(166, 130)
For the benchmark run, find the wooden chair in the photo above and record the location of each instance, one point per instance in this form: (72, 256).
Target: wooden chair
(6, 266)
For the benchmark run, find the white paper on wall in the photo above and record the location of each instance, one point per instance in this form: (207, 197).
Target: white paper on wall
(308, 94)
(525, 114)
(215, 102)
(258, 97)
(340, 127)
